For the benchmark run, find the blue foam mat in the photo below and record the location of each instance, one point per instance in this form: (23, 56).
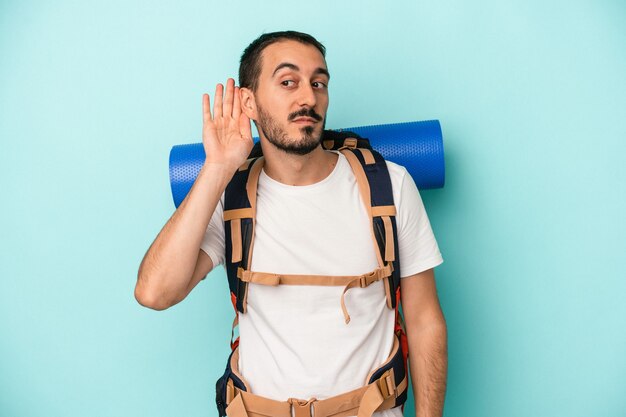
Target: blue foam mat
(418, 146)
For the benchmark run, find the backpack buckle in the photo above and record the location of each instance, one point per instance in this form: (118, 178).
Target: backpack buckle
(386, 384)
(363, 282)
(302, 408)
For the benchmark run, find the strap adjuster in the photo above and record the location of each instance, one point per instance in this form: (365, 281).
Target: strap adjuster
(302, 408)
(363, 282)
(387, 385)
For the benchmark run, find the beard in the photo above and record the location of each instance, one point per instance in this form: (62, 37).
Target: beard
(277, 136)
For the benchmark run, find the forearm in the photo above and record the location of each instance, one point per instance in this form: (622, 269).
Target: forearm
(168, 266)
(428, 362)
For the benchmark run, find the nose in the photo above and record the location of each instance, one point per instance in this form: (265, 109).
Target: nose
(307, 97)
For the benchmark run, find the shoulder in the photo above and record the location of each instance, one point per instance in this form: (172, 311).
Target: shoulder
(406, 195)
(397, 172)
(398, 175)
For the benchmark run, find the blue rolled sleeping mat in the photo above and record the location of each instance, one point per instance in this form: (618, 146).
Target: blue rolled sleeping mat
(418, 146)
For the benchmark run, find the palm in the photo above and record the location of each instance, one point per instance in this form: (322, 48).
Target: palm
(226, 134)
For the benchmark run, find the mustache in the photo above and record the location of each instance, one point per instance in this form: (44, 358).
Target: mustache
(305, 113)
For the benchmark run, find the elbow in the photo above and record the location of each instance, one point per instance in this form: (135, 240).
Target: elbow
(150, 301)
(151, 298)
(434, 325)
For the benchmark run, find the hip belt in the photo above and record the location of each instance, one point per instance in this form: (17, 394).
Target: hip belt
(386, 388)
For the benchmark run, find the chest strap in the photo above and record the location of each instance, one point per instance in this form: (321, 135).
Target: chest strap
(240, 221)
(350, 281)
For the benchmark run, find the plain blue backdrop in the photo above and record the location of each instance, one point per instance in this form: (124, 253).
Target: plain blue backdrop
(532, 100)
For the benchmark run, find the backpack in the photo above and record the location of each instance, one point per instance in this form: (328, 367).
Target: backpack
(374, 183)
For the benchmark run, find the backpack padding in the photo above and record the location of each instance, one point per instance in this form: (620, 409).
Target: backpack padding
(418, 146)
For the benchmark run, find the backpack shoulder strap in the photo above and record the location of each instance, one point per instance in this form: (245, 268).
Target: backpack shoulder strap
(372, 175)
(374, 169)
(239, 222)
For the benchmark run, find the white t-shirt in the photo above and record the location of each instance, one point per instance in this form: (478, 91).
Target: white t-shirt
(294, 341)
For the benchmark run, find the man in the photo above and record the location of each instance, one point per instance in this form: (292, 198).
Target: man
(309, 220)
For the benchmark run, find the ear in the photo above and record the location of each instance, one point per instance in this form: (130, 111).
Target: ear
(248, 103)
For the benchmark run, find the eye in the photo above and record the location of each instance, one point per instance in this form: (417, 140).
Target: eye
(288, 83)
(319, 84)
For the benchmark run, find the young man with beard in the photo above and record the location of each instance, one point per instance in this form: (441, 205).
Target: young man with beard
(310, 219)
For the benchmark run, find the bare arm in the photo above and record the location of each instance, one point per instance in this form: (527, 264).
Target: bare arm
(174, 263)
(427, 336)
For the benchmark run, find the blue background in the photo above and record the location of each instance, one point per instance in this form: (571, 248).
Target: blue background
(532, 100)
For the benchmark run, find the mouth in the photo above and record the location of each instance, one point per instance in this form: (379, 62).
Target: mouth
(304, 120)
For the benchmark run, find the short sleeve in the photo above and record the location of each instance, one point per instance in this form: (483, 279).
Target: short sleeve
(213, 241)
(418, 247)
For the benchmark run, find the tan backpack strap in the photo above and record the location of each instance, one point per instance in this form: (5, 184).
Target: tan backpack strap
(251, 189)
(380, 394)
(246, 404)
(390, 253)
(364, 190)
(268, 278)
(235, 234)
(236, 408)
(244, 213)
(384, 212)
(361, 179)
(350, 143)
(235, 217)
(363, 282)
(246, 164)
(377, 396)
(368, 157)
(350, 281)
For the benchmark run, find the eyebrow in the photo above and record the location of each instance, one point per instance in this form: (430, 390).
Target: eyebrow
(294, 67)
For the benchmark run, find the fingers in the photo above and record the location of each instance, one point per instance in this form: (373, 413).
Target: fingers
(217, 101)
(228, 99)
(236, 104)
(206, 108)
(228, 104)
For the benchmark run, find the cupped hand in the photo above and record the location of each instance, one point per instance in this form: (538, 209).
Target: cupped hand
(226, 135)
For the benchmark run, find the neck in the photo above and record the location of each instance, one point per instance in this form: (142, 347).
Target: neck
(297, 170)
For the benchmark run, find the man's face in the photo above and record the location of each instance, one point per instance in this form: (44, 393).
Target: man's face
(292, 96)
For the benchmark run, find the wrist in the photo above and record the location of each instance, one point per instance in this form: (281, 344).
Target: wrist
(217, 172)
